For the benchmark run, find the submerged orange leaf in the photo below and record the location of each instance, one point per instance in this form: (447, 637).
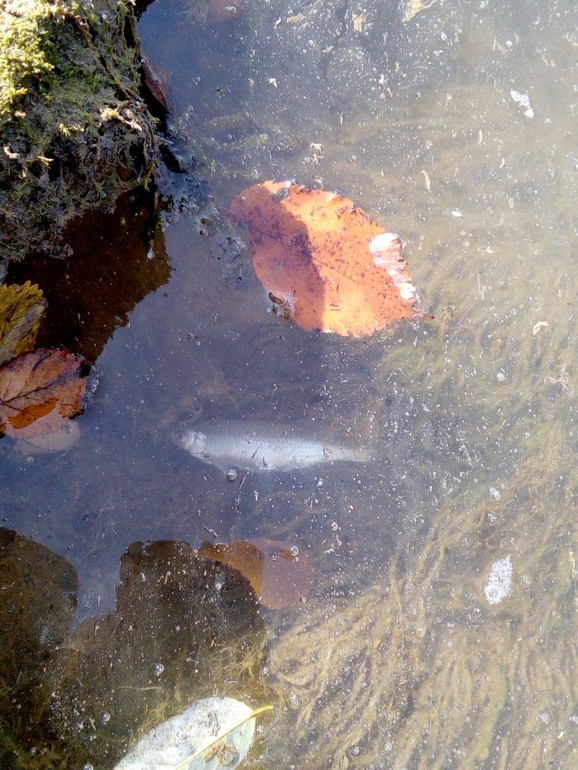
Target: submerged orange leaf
(279, 574)
(39, 392)
(323, 260)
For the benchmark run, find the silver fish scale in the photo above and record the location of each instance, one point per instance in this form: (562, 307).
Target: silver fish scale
(259, 446)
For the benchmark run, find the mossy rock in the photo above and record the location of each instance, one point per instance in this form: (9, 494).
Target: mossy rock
(74, 130)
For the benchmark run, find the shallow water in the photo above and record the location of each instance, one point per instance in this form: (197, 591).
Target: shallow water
(398, 658)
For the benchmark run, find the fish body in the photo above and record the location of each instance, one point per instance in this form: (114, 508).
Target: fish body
(259, 446)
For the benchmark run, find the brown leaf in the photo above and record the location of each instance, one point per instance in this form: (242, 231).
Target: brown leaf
(156, 84)
(323, 260)
(21, 307)
(279, 574)
(39, 392)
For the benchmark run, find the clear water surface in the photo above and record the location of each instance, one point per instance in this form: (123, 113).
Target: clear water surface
(441, 628)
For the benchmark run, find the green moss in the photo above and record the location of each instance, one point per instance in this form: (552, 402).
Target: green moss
(74, 130)
(25, 51)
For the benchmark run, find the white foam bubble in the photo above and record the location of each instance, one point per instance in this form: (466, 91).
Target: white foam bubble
(499, 583)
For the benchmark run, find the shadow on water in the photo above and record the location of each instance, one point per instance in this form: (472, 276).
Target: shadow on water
(115, 260)
(68, 694)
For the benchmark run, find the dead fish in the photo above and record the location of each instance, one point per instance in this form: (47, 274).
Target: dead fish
(259, 446)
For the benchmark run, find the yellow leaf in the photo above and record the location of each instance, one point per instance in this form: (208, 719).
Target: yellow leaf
(21, 308)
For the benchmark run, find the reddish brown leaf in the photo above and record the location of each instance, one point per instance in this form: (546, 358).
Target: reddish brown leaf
(39, 392)
(323, 260)
(279, 574)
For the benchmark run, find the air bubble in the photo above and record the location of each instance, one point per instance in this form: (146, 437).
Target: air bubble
(492, 594)
(294, 551)
(494, 494)
(159, 668)
(499, 583)
(294, 702)
(228, 757)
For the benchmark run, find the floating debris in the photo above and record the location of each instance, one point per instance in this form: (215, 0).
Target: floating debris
(524, 101)
(494, 494)
(156, 85)
(61, 440)
(411, 8)
(207, 12)
(323, 260)
(209, 734)
(538, 326)
(40, 391)
(499, 584)
(21, 308)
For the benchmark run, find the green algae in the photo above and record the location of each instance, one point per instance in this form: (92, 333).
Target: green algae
(24, 51)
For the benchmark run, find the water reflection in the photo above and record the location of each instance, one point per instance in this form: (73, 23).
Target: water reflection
(180, 623)
(115, 260)
(417, 121)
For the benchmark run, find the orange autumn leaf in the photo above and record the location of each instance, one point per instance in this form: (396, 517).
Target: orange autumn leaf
(279, 574)
(323, 260)
(39, 392)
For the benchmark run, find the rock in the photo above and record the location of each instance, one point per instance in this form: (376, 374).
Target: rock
(74, 130)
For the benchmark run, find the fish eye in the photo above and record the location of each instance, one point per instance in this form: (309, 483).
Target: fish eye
(179, 434)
